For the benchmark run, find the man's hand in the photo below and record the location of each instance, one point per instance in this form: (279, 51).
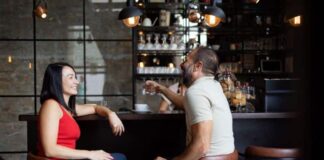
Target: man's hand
(152, 86)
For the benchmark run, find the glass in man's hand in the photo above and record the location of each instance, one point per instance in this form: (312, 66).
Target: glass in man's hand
(148, 92)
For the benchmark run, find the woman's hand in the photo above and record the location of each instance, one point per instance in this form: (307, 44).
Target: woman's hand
(116, 124)
(99, 155)
(160, 158)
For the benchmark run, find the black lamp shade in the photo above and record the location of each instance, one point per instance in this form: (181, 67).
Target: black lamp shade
(215, 11)
(128, 12)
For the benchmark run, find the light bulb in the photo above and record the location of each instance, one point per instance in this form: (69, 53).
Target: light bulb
(9, 59)
(171, 65)
(44, 15)
(41, 12)
(141, 64)
(295, 21)
(30, 65)
(211, 20)
(131, 21)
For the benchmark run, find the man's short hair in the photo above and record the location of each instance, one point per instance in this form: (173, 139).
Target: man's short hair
(209, 59)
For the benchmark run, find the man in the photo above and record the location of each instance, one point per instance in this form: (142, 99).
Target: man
(208, 116)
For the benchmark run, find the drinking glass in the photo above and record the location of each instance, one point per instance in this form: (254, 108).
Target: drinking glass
(179, 42)
(157, 45)
(165, 45)
(141, 43)
(173, 45)
(149, 44)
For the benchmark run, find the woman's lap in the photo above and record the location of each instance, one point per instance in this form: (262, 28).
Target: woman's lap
(118, 156)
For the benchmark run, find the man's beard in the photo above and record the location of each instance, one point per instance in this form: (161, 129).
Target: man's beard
(187, 75)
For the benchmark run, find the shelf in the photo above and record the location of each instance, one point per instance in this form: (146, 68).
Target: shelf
(261, 74)
(158, 75)
(247, 30)
(161, 29)
(255, 52)
(161, 52)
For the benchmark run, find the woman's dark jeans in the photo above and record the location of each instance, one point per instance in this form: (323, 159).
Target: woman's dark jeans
(118, 156)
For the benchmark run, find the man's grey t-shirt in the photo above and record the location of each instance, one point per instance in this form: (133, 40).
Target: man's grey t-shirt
(205, 100)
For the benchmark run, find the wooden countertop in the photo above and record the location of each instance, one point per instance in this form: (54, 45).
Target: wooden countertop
(171, 116)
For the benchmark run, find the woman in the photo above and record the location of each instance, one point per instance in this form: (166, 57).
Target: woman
(166, 104)
(58, 131)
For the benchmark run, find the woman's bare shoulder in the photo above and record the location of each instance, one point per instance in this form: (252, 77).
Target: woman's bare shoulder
(49, 106)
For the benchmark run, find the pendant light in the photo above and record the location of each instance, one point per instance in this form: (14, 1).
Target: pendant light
(41, 9)
(130, 15)
(213, 15)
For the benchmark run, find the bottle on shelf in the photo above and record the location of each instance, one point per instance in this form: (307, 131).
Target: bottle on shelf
(141, 42)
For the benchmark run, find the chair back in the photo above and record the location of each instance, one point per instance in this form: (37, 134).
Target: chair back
(31, 156)
(268, 152)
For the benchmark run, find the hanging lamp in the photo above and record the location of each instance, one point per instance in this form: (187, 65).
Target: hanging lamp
(213, 15)
(130, 15)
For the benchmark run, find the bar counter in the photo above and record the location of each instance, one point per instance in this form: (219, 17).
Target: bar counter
(152, 116)
(150, 134)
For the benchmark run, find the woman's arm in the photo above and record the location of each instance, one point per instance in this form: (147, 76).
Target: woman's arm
(49, 117)
(115, 123)
(163, 106)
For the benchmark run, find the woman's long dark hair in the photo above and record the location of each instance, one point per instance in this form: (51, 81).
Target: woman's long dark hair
(52, 86)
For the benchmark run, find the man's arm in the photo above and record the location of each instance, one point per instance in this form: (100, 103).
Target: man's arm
(200, 142)
(176, 99)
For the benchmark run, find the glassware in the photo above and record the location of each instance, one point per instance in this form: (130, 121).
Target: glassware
(173, 45)
(148, 92)
(148, 45)
(157, 45)
(141, 43)
(179, 42)
(165, 45)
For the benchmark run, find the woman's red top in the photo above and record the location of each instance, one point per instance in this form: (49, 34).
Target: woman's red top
(68, 132)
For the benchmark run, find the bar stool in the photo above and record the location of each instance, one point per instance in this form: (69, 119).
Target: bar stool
(253, 152)
(231, 156)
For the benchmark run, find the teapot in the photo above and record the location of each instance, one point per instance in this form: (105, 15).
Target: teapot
(179, 20)
(147, 22)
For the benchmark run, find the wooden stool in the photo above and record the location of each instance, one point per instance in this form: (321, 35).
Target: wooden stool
(231, 156)
(268, 152)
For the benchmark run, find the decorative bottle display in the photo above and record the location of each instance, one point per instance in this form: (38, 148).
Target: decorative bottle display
(165, 45)
(141, 43)
(157, 45)
(173, 45)
(239, 95)
(149, 44)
